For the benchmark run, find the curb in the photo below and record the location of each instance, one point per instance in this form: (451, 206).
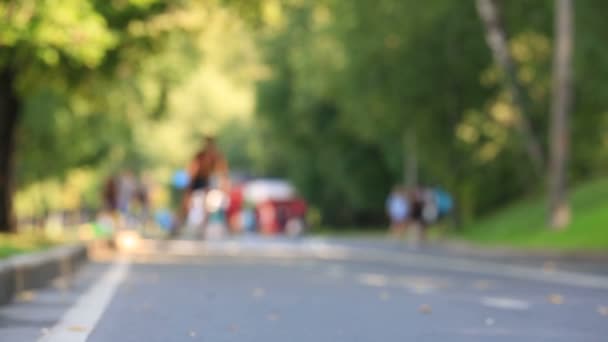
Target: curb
(464, 248)
(460, 246)
(36, 270)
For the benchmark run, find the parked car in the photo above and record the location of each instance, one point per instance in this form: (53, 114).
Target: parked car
(268, 206)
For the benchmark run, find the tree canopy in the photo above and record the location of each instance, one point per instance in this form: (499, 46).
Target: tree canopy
(334, 95)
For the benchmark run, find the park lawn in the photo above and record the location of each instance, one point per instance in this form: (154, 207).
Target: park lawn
(524, 224)
(13, 244)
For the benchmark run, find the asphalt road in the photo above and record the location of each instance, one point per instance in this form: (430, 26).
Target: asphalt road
(317, 296)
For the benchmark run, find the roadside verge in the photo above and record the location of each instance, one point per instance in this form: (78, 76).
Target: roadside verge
(36, 270)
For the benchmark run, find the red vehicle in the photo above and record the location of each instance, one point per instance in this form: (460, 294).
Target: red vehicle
(271, 203)
(281, 216)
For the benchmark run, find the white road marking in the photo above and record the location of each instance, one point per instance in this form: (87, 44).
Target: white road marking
(505, 303)
(79, 321)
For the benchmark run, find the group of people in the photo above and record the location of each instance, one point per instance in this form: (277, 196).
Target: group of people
(127, 197)
(409, 210)
(415, 209)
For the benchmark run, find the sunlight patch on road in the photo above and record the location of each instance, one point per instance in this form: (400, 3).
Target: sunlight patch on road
(505, 303)
(258, 292)
(421, 285)
(413, 284)
(425, 309)
(372, 279)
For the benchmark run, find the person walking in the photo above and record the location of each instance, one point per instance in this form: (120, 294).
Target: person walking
(417, 223)
(398, 210)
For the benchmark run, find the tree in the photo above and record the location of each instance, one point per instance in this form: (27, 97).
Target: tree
(496, 37)
(69, 46)
(9, 109)
(31, 39)
(360, 75)
(559, 211)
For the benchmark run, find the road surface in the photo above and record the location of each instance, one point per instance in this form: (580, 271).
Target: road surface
(310, 293)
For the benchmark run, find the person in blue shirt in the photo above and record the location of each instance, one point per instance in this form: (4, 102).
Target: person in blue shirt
(398, 210)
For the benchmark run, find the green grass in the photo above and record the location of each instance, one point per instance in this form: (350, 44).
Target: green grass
(524, 224)
(12, 244)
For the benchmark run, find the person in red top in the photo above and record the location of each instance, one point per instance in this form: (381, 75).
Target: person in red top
(235, 207)
(208, 162)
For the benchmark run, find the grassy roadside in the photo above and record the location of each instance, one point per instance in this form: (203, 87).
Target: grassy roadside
(32, 240)
(13, 244)
(523, 224)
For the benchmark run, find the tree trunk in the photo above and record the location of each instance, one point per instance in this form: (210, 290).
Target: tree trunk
(410, 159)
(559, 209)
(496, 37)
(9, 114)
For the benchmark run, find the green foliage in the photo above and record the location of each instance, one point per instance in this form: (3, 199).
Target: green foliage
(66, 54)
(172, 72)
(89, 75)
(340, 86)
(23, 243)
(351, 78)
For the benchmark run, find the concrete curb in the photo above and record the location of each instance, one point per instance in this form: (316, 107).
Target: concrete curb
(471, 249)
(36, 270)
(464, 248)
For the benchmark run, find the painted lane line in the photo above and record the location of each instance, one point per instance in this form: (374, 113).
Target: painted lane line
(79, 321)
(505, 303)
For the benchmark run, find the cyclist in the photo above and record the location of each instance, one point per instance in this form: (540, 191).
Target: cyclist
(208, 162)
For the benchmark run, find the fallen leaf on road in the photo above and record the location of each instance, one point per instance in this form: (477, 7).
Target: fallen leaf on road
(481, 284)
(371, 279)
(77, 328)
(602, 310)
(258, 293)
(425, 309)
(26, 296)
(556, 299)
(549, 267)
(61, 283)
(273, 317)
(234, 328)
